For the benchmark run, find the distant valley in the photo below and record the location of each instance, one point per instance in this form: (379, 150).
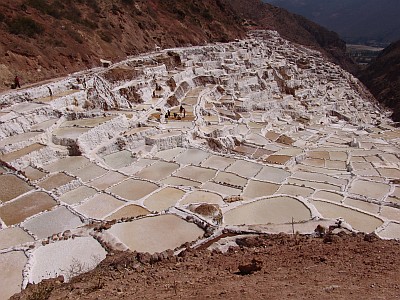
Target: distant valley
(368, 22)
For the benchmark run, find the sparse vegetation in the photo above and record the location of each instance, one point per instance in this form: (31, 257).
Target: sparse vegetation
(56, 42)
(75, 35)
(41, 292)
(94, 5)
(106, 36)
(66, 10)
(206, 14)
(179, 13)
(88, 23)
(25, 26)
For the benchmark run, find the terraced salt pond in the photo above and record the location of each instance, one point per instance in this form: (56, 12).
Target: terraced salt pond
(12, 265)
(119, 159)
(132, 189)
(275, 210)
(163, 199)
(246, 157)
(25, 206)
(18, 138)
(52, 260)
(202, 197)
(156, 234)
(358, 220)
(11, 187)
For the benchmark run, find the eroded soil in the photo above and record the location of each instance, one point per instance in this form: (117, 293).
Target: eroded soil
(344, 266)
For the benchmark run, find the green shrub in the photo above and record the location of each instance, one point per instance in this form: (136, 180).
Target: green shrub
(73, 14)
(94, 5)
(75, 35)
(105, 36)
(88, 23)
(179, 13)
(206, 14)
(40, 5)
(25, 26)
(56, 43)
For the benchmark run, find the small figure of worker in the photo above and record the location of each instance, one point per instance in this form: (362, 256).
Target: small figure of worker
(181, 109)
(16, 82)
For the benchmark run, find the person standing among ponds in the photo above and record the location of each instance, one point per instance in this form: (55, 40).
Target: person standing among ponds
(17, 83)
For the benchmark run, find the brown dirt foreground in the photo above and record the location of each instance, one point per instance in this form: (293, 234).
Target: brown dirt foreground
(344, 266)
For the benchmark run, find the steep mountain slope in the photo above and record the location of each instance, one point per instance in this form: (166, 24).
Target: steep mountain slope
(43, 39)
(356, 21)
(382, 77)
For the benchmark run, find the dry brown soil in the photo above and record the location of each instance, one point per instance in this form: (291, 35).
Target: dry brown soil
(347, 267)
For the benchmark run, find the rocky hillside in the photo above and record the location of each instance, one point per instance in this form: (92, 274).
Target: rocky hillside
(47, 38)
(382, 77)
(43, 39)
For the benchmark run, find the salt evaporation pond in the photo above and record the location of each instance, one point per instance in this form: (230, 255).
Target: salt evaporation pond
(119, 159)
(89, 172)
(244, 168)
(392, 230)
(295, 190)
(255, 189)
(132, 189)
(156, 234)
(26, 206)
(107, 180)
(55, 221)
(230, 179)
(158, 170)
(68, 258)
(18, 138)
(92, 122)
(202, 197)
(68, 164)
(11, 156)
(78, 195)
(99, 206)
(13, 236)
(196, 173)
(11, 187)
(163, 199)
(192, 156)
(12, 265)
(128, 211)
(358, 220)
(275, 210)
(218, 162)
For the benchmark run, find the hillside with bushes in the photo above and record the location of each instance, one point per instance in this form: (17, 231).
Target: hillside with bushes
(43, 39)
